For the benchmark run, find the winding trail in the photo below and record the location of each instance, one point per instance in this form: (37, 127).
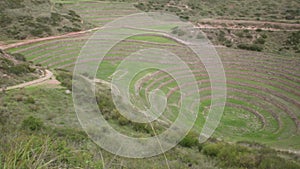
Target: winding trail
(47, 75)
(26, 42)
(202, 24)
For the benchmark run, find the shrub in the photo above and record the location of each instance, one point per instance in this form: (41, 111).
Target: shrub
(240, 34)
(228, 155)
(123, 121)
(73, 14)
(55, 18)
(43, 19)
(253, 47)
(246, 30)
(173, 9)
(19, 97)
(228, 43)
(178, 31)
(264, 36)
(19, 56)
(260, 40)
(275, 162)
(290, 17)
(29, 100)
(212, 149)
(20, 69)
(190, 140)
(141, 6)
(5, 20)
(258, 30)
(65, 78)
(294, 41)
(184, 17)
(36, 32)
(221, 36)
(140, 127)
(33, 124)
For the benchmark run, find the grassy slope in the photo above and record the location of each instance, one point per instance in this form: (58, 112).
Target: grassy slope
(37, 131)
(276, 11)
(245, 126)
(24, 19)
(237, 123)
(13, 71)
(279, 10)
(61, 138)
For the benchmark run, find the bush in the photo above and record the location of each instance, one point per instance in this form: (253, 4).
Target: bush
(19, 56)
(212, 149)
(260, 40)
(221, 36)
(190, 140)
(293, 41)
(5, 20)
(33, 124)
(236, 156)
(228, 43)
(228, 156)
(178, 31)
(20, 69)
(42, 19)
(39, 30)
(65, 78)
(275, 162)
(55, 18)
(141, 127)
(264, 36)
(253, 47)
(36, 32)
(123, 121)
(141, 6)
(29, 100)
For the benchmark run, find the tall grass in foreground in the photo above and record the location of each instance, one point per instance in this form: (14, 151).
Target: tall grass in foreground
(28, 152)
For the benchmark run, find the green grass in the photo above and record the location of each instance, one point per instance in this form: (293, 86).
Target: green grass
(233, 121)
(94, 11)
(156, 39)
(61, 141)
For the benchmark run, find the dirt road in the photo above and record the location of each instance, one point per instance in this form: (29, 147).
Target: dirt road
(48, 75)
(26, 42)
(246, 25)
(202, 24)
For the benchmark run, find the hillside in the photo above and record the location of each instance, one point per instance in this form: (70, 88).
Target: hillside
(270, 26)
(15, 70)
(24, 19)
(256, 41)
(279, 10)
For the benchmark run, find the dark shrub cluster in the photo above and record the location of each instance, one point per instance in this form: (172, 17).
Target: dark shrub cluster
(236, 156)
(65, 78)
(253, 47)
(33, 124)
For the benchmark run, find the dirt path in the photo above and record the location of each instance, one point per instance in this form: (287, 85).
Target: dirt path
(249, 22)
(246, 25)
(26, 42)
(202, 24)
(47, 76)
